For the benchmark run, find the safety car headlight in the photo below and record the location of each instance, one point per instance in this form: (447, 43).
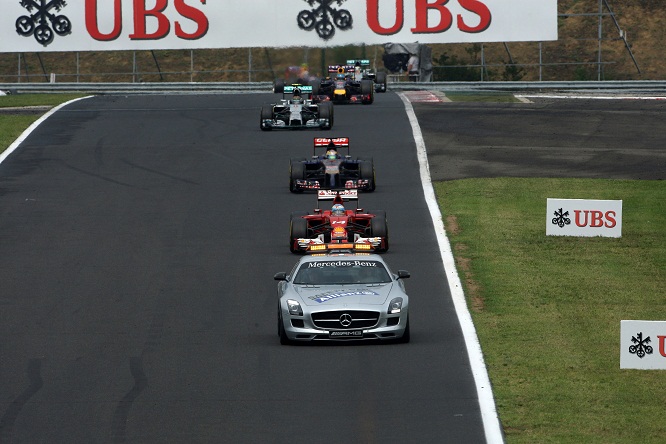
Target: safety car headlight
(395, 306)
(294, 308)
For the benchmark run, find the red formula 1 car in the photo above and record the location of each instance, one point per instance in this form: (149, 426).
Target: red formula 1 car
(338, 225)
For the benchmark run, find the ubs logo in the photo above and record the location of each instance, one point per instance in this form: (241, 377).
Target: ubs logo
(42, 24)
(325, 18)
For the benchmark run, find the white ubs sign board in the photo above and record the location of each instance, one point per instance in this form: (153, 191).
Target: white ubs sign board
(585, 218)
(98, 25)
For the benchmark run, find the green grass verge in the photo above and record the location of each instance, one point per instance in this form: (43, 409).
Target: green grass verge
(12, 125)
(14, 100)
(548, 309)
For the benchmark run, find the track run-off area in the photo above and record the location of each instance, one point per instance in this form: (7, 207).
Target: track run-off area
(140, 234)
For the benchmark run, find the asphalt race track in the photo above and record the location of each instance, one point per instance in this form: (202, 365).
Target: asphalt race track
(139, 237)
(138, 240)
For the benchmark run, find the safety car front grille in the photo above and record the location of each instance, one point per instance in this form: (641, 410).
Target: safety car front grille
(345, 319)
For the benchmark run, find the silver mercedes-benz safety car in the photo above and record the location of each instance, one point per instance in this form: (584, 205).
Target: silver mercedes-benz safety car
(342, 297)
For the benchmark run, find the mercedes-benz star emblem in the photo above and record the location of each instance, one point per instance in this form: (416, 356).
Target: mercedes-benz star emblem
(346, 320)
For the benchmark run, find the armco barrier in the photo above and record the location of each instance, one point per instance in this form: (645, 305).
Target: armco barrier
(638, 87)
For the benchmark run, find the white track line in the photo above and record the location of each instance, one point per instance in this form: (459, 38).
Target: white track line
(491, 424)
(32, 127)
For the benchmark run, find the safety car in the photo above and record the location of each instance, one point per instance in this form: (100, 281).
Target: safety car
(297, 110)
(331, 169)
(346, 296)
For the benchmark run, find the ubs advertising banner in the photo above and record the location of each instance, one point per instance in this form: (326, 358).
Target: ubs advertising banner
(98, 25)
(585, 218)
(642, 345)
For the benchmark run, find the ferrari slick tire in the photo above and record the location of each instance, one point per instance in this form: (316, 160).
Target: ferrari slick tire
(298, 229)
(379, 228)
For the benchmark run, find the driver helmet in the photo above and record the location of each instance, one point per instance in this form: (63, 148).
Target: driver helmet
(338, 210)
(331, 154)
(296, 95)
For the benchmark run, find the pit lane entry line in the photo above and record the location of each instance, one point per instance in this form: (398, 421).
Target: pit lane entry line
(491, 423)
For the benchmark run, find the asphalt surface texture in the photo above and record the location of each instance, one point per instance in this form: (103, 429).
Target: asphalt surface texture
(140, 236)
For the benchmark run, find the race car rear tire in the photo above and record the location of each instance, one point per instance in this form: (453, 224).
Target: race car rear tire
(296, 172)
(278, 86)
(298, 228)
(380, 81)
(367, 89)
(266, 114)
(325, 113)
(367, 170)
(379, 228)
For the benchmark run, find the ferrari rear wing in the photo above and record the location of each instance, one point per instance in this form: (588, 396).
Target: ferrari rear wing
(343, 195)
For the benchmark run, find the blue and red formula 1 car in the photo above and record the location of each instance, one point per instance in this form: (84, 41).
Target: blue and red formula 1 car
(330, 169)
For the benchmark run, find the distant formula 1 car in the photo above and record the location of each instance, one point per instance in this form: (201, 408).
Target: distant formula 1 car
(331, 170)
(343, 87)
(308, 232)
(363, 66)
(297, 112)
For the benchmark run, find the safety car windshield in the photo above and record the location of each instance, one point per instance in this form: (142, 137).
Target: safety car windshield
(342, 272)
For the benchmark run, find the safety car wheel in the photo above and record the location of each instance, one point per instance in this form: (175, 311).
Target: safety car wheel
(296, 172)
(406, 336)
(266, 114)
(379, 228)
(284, 339)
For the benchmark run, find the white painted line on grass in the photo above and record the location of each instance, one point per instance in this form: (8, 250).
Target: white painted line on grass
(491, 424)
(34, 126)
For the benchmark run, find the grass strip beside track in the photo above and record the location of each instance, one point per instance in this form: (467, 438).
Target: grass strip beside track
(12, 124)
(548, 309)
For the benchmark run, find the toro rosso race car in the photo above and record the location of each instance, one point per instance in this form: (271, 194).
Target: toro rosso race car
(297, 112)
(331, 170)
(342, 296)
(338, 228)
(343, 87)
(362, 70)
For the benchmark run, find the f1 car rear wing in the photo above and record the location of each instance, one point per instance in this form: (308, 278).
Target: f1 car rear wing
(331, 142)
(362, 62)
(338, 68)
(364, 245)
(305, 89)
(337, 195)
